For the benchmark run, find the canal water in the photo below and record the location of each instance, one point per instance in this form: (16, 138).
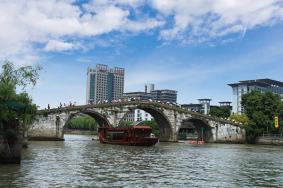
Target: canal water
(81, 162)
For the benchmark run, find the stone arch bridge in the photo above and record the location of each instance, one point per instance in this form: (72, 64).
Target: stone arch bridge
(170, 118)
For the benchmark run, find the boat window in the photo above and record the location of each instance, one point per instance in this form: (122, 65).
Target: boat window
(143, 133)
(117, 135)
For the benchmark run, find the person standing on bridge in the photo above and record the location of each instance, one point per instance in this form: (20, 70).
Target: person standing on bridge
(48, 107)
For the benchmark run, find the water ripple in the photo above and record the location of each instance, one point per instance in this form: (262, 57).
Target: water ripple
(81, 162)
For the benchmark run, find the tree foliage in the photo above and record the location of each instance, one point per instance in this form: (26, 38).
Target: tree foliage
(220, 111)
(154, 126)
(260, 109)
(242, 118)
(21, 76)
(82, 123)
(13, 105)
(125, 123)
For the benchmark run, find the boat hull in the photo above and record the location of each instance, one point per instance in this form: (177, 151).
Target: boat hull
(140, 142)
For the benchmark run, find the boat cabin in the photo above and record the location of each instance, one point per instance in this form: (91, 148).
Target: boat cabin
(134, 135)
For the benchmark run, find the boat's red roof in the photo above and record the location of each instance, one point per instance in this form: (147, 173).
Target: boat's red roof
(141, 127)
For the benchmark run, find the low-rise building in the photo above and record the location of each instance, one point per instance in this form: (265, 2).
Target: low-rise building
(163, 95)
(193, 107)
(204, 106)
(136, 95)
(246, 86)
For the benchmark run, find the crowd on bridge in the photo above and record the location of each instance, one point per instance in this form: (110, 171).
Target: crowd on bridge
(73, 104)
(63, 105)
(137, 99)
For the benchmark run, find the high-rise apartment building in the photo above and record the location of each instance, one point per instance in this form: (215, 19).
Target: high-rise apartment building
(104, 83)
(246, 86)
(148, 88)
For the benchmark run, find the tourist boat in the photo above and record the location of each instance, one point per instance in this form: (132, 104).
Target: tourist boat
(198, 142)
(194, 139)
(134, 135)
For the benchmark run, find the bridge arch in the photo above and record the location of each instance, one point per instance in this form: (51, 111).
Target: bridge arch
(196, 126)
(161, 119)
(99, 118)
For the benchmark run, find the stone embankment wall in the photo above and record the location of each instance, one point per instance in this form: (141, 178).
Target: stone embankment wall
(80, 132)
(270, 140)
(227, 133)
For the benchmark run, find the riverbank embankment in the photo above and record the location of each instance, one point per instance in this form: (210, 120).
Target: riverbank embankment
(10, 152)
(270, 140)
(79, 132)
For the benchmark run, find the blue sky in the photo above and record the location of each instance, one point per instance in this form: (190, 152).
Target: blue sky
(194, 47)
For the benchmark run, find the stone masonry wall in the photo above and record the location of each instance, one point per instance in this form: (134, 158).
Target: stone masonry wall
(227, 133)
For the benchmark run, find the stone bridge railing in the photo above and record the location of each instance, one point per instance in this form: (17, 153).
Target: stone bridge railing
(142, 103)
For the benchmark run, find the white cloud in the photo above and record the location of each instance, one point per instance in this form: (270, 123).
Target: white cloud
(55, 45)
(59, 25)
(25, 24)
(207, 19)
(143, 25)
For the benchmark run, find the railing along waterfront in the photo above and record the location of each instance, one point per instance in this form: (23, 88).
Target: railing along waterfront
(272, 135)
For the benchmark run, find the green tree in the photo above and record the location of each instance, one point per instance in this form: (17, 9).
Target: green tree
(220, 111)
(19, 76)
(126, 123)
(13, 105)
(82, 123)
(242, 118)
(260, 109)
(154, 126)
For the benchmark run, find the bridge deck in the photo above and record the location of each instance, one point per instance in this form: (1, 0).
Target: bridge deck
(138, 103)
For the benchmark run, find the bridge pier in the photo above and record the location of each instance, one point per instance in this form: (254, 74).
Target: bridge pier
(48, 127)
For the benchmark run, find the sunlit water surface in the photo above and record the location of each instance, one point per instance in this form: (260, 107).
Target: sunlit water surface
(81, 162)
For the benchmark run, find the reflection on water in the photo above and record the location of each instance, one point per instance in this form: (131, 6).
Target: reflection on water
(79, 161)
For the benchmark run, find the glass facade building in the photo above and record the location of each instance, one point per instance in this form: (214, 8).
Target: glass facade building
(104, 83)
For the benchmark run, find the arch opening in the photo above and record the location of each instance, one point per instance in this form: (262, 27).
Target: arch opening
(195, 129)
(99, 119)
(163, 124)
